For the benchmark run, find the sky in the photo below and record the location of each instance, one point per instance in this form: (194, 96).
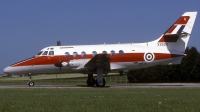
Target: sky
(27, 26)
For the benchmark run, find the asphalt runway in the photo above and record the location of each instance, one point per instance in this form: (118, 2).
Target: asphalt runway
(137, 85)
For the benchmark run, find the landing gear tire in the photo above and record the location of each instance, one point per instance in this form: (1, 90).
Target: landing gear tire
(91, 82)
(103, 85)
(31, 83)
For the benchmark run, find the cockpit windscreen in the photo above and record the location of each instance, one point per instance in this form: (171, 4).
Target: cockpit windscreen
(45, 53)
(39, 53)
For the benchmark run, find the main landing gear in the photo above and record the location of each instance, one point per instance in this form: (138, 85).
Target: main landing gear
(30, 83)
(100, 81)
(91, 81)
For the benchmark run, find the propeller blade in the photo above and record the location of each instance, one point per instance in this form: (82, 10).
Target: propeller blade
(58, 64)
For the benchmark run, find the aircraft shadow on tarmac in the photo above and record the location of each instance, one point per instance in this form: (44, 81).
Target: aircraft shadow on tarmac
(92, 86)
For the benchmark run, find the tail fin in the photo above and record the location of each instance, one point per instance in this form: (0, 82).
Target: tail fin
(177, 36)
(183, 24)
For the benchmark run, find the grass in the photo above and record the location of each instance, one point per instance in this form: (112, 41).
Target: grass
(94, 99)
(100, 99)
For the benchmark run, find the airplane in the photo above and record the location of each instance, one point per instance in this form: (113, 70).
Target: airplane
(101, 59)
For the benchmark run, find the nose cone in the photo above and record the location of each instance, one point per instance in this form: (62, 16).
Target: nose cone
(12, 70)
(7, 70)
(17, 70)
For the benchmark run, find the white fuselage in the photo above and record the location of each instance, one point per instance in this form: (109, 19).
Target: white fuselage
(122, 57)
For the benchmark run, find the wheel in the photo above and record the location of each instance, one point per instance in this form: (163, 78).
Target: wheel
(91, 82)
(103, 85)
(31, 83)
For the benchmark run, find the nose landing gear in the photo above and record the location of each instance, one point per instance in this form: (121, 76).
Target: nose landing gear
(30, 83)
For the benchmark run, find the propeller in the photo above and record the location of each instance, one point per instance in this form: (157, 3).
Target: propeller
(59, 63)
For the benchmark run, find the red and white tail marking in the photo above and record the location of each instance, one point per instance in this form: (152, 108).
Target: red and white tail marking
(183, 25)
(178, 25)
(176, 38)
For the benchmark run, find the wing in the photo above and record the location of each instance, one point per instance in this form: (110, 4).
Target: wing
(100, 60)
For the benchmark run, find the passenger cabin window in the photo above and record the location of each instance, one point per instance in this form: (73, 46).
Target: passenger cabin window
(75, 54)
(51, 52)
(39, 53)
(45, 53)
(112, 53)
(104, 52)
(83, 54)
(121, 53)
(67, 54)
(94, 53)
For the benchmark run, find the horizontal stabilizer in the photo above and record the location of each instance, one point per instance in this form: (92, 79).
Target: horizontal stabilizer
(172, 37)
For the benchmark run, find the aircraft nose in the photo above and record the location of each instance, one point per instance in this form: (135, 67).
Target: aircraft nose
(17, 70)
(7, 70)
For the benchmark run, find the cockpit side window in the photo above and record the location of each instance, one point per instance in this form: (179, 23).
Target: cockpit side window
(51, 52)
(45, 53)
(39, 53)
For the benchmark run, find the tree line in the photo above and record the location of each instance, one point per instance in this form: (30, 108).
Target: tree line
(187, 71)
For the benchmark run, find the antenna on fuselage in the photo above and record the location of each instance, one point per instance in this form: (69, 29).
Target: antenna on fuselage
(58, 43)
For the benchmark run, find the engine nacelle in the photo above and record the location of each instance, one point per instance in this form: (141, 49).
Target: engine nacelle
(75, 63)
